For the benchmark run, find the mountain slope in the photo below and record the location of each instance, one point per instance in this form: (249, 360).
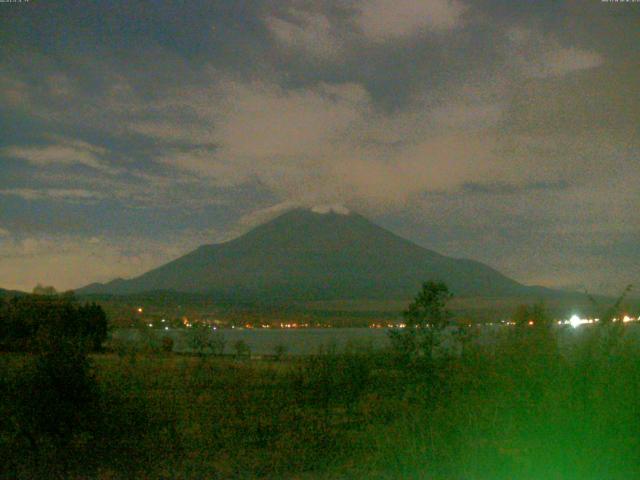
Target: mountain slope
(304, 255)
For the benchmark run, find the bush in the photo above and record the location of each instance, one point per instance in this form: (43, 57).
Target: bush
(167, 344)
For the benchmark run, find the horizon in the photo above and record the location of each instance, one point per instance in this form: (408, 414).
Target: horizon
(502, 133)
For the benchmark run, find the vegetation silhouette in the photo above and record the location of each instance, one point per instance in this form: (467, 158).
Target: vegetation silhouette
(537, 401)
(31, 322)
(425, 320)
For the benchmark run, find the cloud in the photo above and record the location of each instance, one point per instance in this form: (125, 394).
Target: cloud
(68, 262)
(64, 152)
(467, 115)
(325, 209)
(503, 188)
(263, 215)
(191, 132)
(382, 20)
(327, 144)
(60, 85)
(563, 61)
(264, 121)
(325, 37)
(545, 234)
(542, 56)
(306, 32)
(52, 194)
(13, 91)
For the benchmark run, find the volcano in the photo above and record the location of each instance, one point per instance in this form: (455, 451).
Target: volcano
(307, 255)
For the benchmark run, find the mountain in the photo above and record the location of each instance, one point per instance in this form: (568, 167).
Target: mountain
(303, 256)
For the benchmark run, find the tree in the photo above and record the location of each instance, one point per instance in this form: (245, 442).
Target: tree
(521, 316)
(425, 319)
(42, 290)
(609, 335)
(4, 322)
(540, 316)
(607, 315)
(199, 339)
(30, 322)
(535, 316)
(94, 319)
(533, 339)
(428, 308)
(242, 349)
(218, 342)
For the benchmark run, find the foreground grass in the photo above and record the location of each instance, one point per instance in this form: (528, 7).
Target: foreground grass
(514, 410)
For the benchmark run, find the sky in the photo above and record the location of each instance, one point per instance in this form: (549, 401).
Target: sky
(506, 132)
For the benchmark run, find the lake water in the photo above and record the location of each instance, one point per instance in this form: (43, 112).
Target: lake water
(311, 340)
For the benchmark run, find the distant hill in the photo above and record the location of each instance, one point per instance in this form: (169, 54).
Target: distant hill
(10, 293)
(307, 256)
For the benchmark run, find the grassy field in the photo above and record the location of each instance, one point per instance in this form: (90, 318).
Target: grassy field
(516, 409)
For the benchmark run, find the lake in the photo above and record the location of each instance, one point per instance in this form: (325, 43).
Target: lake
(305, 341)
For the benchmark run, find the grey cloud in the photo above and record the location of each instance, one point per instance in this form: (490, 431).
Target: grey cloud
(510, 189)
(52, 193)
(382, 20)
(539, 55)
(64, 152)
(306, 32)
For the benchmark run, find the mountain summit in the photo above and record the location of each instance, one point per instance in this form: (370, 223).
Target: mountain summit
(319, 254)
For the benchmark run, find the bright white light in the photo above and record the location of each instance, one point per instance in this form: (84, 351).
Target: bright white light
(166, 328)
(151, 324)
(576, 321)
(139, 309)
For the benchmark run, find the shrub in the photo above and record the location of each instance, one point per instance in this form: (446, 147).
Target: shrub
(167, 344)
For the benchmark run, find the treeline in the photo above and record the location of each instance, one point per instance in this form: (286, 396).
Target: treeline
(32, 323)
